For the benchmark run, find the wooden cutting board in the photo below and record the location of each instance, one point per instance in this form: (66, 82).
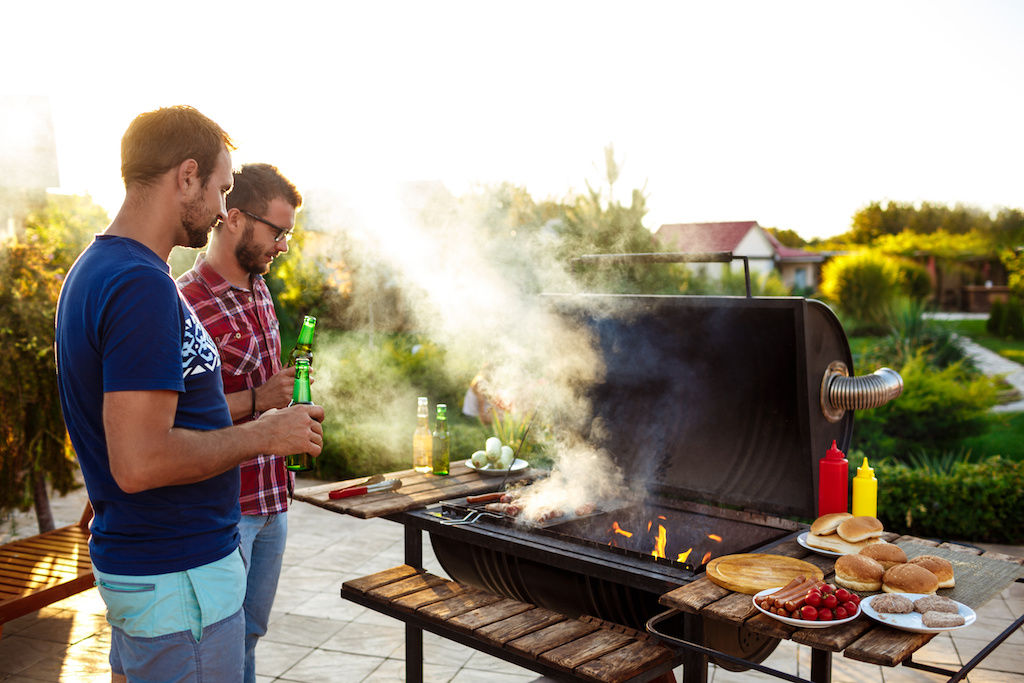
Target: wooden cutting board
(753, 572)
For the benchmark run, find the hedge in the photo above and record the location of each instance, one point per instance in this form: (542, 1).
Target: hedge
(978, 501)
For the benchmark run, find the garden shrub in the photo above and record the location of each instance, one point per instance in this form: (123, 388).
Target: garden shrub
(911, 333)
(937, 410)
(915, 281)
(862, 285)
(973, 502)
(1006, 319)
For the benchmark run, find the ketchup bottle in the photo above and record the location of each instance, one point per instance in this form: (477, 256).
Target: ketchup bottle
(833, 482)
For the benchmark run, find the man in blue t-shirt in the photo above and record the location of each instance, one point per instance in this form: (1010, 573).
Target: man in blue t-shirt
(140, 387)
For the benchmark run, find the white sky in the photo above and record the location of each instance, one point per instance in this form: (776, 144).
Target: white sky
(794, 114)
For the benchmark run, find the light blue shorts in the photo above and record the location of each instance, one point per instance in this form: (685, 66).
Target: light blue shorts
(181, 626)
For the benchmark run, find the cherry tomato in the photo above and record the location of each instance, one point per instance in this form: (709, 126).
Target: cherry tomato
(850, 608)
(831, 587)
(808, 613)
(813, 599)
(841, 612)
(830, 601)
(854, 598)
(842, 594)
(824, 614)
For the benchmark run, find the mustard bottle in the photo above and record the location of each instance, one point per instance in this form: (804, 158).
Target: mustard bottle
(865, 492)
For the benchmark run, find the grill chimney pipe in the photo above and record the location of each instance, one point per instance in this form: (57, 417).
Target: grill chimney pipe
(840, 392)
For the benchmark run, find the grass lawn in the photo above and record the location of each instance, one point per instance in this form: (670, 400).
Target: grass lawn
(975, 329)
(1002, 438)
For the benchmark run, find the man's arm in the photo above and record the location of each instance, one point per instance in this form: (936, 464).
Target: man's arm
(276, 392)
(146, 451)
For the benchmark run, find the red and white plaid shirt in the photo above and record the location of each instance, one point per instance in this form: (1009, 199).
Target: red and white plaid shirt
(244, 326)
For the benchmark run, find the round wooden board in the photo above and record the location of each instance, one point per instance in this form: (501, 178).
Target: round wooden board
(753, 572)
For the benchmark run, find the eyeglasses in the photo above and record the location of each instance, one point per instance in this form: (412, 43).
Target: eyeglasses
(282, 233)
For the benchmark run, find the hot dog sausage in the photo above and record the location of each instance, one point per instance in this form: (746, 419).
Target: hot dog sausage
(485, 498)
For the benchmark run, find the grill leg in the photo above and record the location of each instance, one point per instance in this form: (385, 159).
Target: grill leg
(413, 635)
(695, 665)
(821, 665)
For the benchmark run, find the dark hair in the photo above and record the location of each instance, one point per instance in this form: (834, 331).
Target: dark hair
(159, 140)
(257, 184)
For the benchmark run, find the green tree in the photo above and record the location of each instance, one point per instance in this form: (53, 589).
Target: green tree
(33, 441)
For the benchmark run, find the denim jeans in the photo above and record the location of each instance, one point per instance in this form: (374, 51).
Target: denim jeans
(262, 546)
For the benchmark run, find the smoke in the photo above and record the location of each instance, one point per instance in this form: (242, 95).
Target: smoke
(470, 283)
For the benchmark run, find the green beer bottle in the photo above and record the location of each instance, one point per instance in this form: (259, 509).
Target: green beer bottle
(304, 344)
(442, 446)
(300, 462)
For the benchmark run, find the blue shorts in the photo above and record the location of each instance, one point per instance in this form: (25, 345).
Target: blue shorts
(181, 626)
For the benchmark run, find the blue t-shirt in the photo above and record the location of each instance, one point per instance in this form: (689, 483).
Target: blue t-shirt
(123, 326)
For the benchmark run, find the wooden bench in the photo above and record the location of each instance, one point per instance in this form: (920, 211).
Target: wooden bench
(42, 569)
(583, 649)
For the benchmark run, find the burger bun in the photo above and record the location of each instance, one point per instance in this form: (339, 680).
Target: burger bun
(859, 572)
(858, 529)
(909, 578)
(827, 524)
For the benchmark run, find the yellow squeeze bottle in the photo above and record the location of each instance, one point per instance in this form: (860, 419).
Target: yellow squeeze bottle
(865, 492)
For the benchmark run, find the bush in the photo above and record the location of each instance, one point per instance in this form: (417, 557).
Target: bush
(915, 281)
(1006, 319)
(938, 409)
(862, 285)
(911, 333)
(973, 502)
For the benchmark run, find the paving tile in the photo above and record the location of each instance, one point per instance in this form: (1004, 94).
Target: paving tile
(940, 651)
(87, 602)
(273, 659)
(393, 670)
(476, 676)
(294, 629)
(19, 653)
(367, 639)
(66, 627)
(481, 662)
(331, 667)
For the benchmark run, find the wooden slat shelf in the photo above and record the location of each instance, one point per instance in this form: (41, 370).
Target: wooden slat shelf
(586, 648)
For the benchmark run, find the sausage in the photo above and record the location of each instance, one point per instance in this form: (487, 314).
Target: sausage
(485, 498)
(780, 596)
(801, 589)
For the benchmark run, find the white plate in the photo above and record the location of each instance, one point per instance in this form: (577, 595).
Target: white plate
(912, 622)
(519, 464)
(801, 623)
(802, 540)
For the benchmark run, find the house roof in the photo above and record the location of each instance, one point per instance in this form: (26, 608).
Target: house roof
(704, 236)
(726, 236)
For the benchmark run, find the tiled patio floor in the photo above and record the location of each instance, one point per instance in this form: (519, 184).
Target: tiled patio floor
(316, 637)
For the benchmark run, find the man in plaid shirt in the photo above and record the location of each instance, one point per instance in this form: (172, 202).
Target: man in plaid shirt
(227, 291)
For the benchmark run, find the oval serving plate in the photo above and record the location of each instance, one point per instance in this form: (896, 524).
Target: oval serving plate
(912, 622)
(802, 540)
(803, 623)
(519, 464)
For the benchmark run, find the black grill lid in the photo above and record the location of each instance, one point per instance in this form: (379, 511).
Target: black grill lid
(715, 398)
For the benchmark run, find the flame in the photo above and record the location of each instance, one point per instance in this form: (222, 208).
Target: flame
(660, 542)
(649, 522)
(707, 556)
(682, 556)
(619, 530)
(663, 518)
(715, 537)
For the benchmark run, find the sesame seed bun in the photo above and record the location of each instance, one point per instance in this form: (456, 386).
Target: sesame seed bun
(859, 529)
(886, 554)
(859, 572)
(827, 524)
(940, 566)
(909, 578)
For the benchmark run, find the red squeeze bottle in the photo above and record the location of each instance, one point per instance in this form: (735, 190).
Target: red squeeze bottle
(833, 482)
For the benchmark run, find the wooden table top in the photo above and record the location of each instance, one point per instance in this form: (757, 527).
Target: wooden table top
(862, 639)
(418, 491)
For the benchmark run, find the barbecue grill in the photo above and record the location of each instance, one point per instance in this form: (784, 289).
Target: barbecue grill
(717, 409)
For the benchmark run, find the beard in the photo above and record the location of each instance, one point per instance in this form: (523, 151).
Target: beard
(249, 254)
(197, 224)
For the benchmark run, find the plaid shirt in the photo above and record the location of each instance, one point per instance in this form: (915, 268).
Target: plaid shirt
(244, 326)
